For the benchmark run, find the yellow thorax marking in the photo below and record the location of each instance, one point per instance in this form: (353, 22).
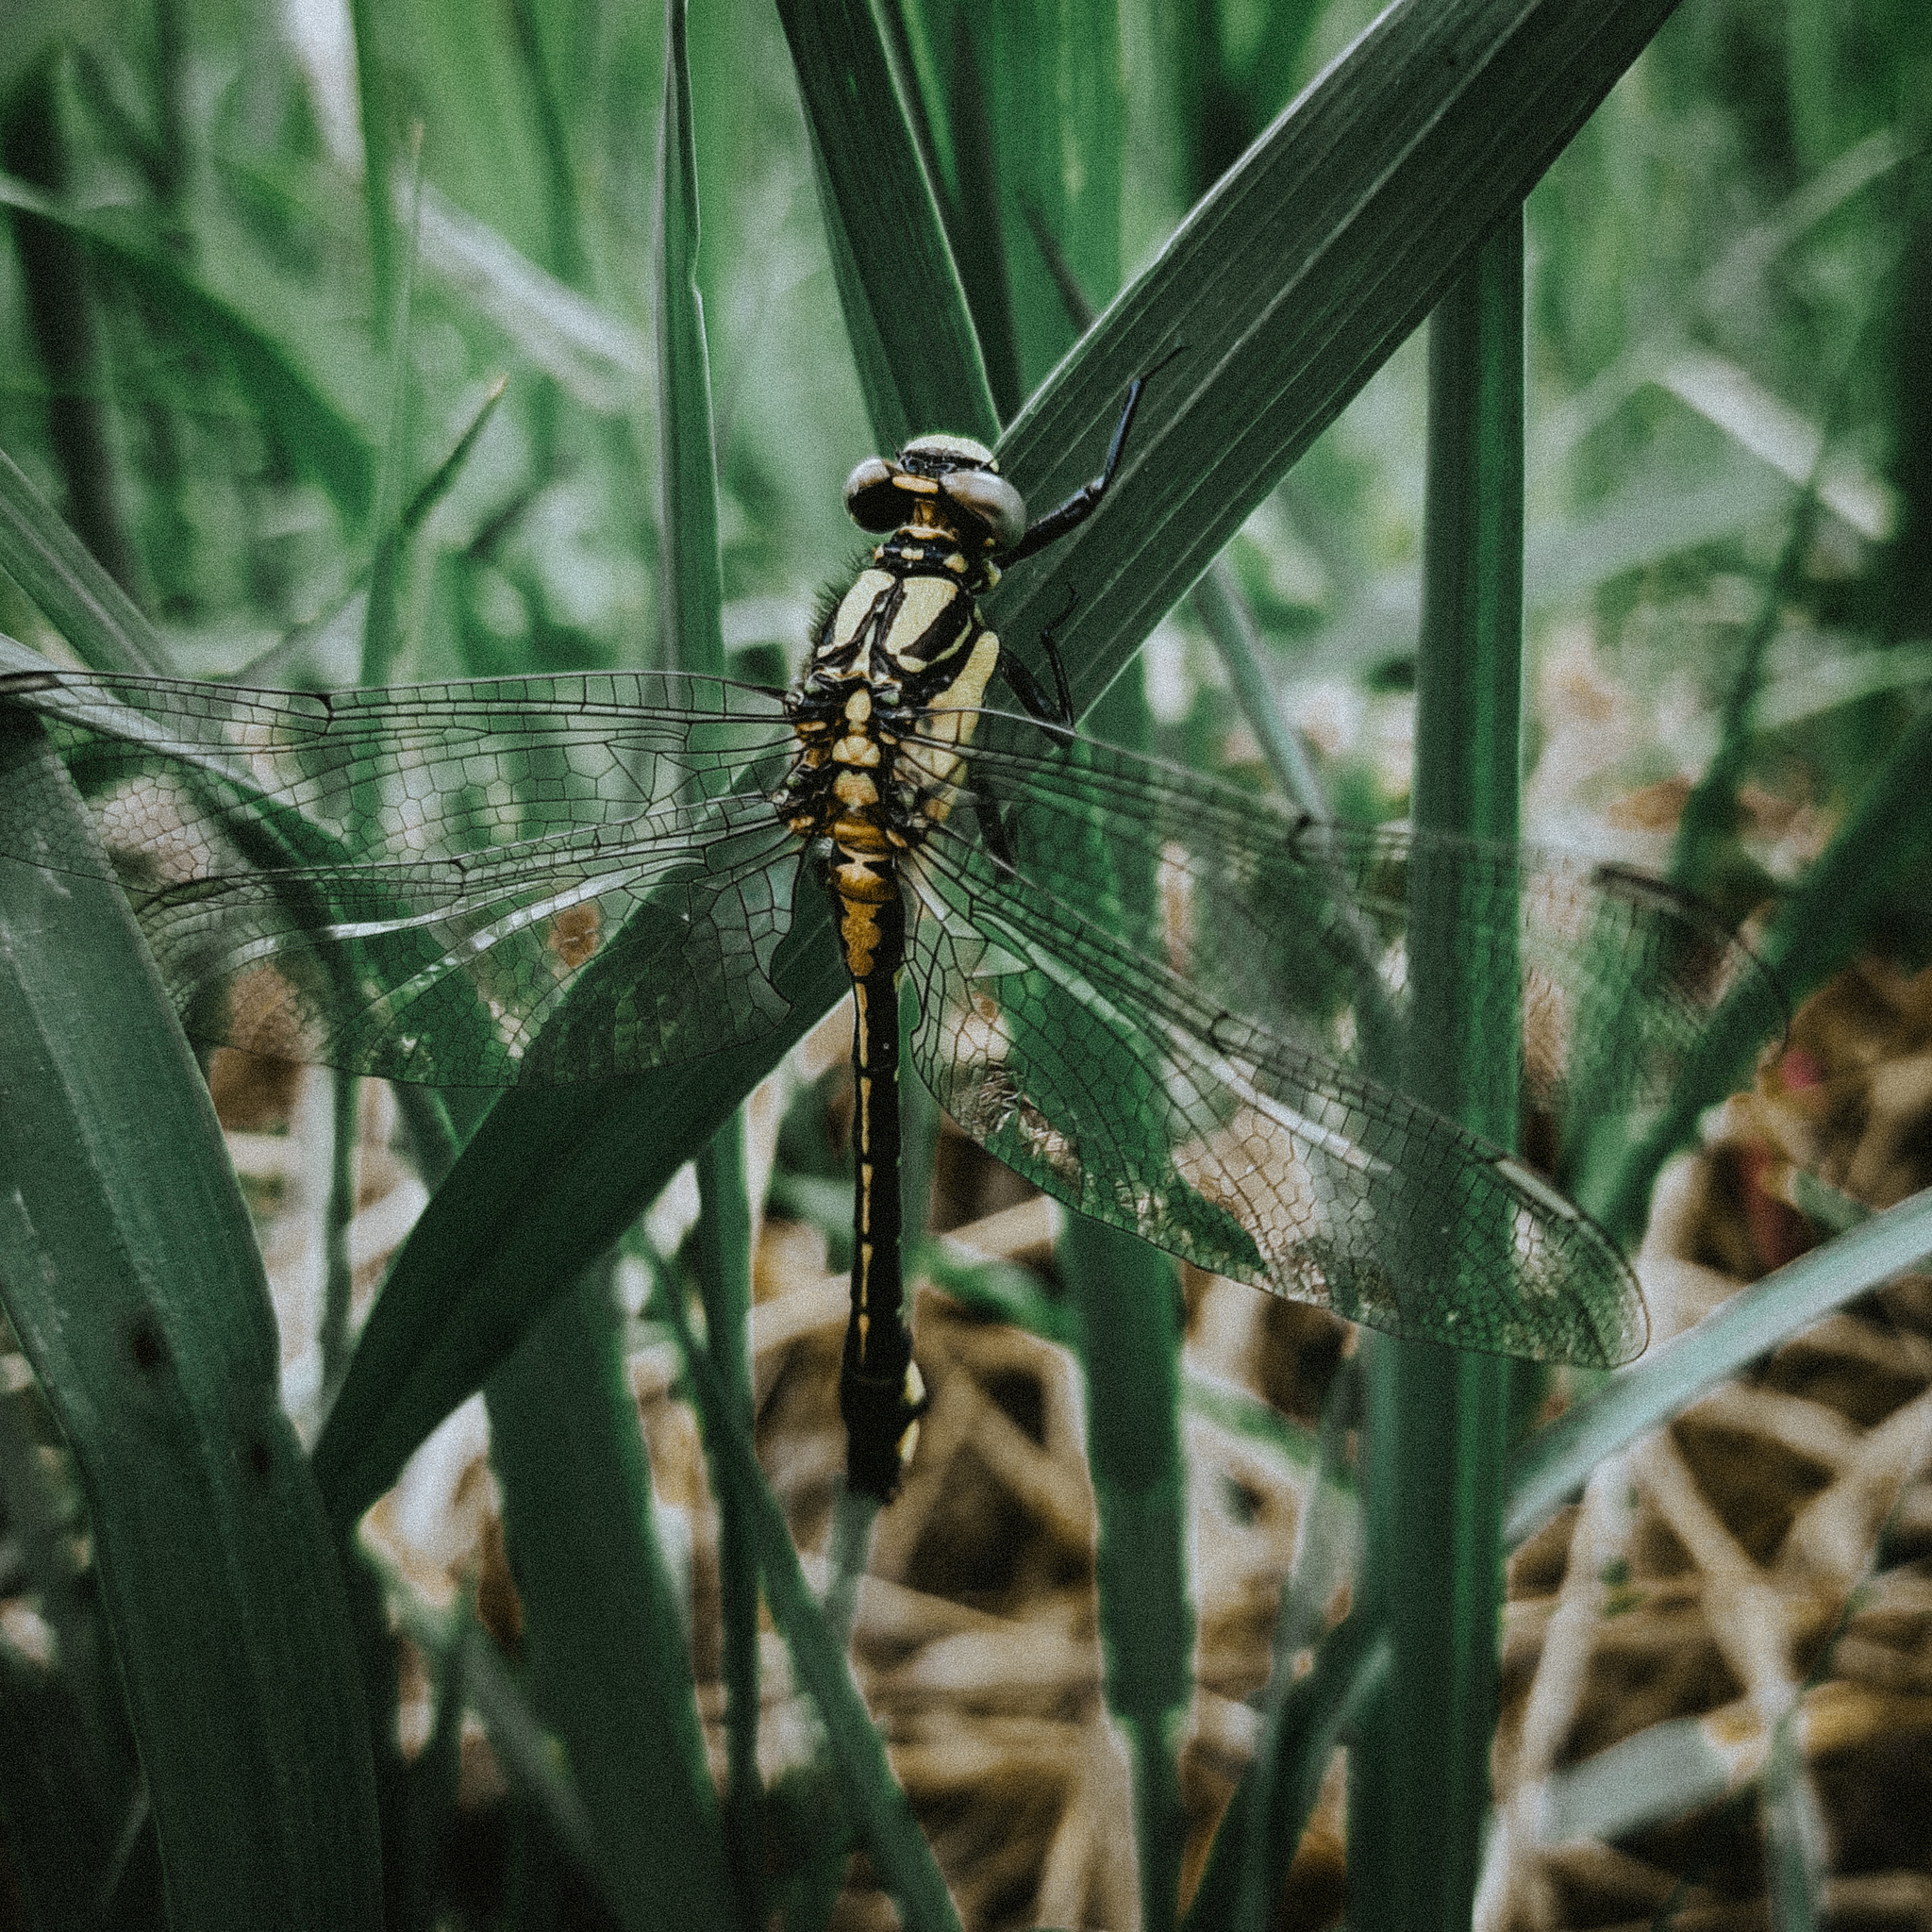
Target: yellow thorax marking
(855, 605)
(923, 604)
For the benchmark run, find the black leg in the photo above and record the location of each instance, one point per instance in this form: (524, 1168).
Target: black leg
(1056, 524)
(993, 828)
(1056, 713)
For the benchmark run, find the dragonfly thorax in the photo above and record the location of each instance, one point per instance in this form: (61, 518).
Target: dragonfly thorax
(897, 672)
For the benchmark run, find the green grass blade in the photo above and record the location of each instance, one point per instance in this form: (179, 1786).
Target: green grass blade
(1434, 1443)
(144, 1312)
(607, 1646)
(487, 1684)
(1130, 1348)
(693, 592)
(693, 640)
(1797, 1841)
(1282, 286)
(723, 1272)
(1262, 1829)
(1554, 1462)
(375, 96)
(919, 360)
(1350, 1667)
(103, 624)
(381, 644)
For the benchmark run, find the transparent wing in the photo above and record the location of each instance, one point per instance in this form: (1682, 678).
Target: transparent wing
(527, 881)
(1159, 999)
(1299, 925)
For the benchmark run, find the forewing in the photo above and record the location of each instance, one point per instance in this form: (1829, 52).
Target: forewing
(527, 881)
(1297, 925)
(1119, 1088)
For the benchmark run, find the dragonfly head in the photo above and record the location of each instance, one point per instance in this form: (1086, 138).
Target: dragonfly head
(938, 483)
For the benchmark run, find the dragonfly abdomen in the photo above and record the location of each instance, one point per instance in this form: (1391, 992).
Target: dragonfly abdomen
(883, 714)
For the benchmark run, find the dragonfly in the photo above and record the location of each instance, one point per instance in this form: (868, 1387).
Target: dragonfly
(1171, 1004)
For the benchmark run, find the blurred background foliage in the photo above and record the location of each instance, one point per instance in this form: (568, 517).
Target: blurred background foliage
(1727, 275)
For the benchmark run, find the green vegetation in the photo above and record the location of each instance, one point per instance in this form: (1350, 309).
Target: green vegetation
(364, 345)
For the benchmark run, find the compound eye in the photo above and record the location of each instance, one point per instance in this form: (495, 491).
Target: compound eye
(871, 501)
(990, 500)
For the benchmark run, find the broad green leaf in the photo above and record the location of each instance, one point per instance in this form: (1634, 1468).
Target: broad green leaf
(1282, 292)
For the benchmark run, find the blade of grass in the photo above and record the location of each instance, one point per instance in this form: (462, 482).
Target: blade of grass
(339, 1210)
(724, 1270)
(1130, 1347)
(1434, 1441)
(376, 97)
(1349, 1668)
(611, 1670)
(919, 360)
(144, 1309)
(870, 1794)
(380, 642)
(532, 1765)
(1262, 1830)
(693, 640)
(103, 624)
(1554, 1462)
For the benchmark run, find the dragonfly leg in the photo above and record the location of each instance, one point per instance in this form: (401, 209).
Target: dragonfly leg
(993, 828)
(1055, 712)
(1057, 523)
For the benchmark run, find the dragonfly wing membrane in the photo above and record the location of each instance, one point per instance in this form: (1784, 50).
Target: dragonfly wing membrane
(1116, 1085)
(1299, 923)
(533, 881)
